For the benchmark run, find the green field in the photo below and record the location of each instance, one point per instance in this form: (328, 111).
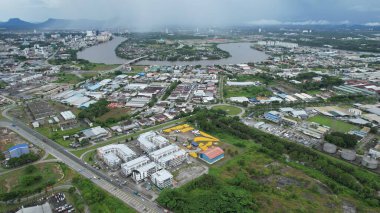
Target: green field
(249, 91)
(231, 110)
(57, 136)
(261, 179)
(335, 125)
(68, 78)
(253, 181)
(32, 179)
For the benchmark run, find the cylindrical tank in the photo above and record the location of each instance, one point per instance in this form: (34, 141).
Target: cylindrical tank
(369, 162)
(348, 154)
(329, 148)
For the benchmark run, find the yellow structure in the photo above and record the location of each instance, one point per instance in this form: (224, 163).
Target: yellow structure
(208, 136)
(204, 139)
(193, 154)
(179, 127)
(189, 147)
(203, 148)
(187, 129)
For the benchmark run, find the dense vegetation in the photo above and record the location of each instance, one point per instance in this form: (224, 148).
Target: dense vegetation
(31, 180)
(23, 159)
(97, 199)
(210, 194)
(342, 140)
(2, 84)
(308, 83)
(341, 177)
(170, 89)
(95, 110)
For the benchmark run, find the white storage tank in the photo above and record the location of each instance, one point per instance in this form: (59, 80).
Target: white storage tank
(369, 162)
(329, 148)
(348, 154)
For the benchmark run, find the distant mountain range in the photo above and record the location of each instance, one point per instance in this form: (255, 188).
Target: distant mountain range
(54, 24)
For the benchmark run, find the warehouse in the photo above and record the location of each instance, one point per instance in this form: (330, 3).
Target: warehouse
(212, 155)
(40, 109)
(18, 150)
(162, 179)
(94, 133)
(68, 115)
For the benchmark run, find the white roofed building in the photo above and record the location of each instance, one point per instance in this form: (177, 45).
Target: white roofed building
(68, 115)
(121, 151)
(128, 167)
(150, 141)
(143, 172)
(162, 179)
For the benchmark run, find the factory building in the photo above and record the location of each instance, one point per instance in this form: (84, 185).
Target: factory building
(273, 116)
(18, 150)
(212, 155)
(162, 179)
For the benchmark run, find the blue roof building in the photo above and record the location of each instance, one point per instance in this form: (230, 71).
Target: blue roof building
(273, 116)
(18, 150)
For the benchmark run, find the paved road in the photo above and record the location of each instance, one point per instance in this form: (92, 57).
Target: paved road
(100, 179)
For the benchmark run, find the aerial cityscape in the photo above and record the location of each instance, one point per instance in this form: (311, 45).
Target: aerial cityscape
(189, 106)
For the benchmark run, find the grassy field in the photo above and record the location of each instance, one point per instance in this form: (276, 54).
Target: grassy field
(253, 181)
(335, 125)
(79, 152)
(114, 114)
(100, 67)
(68, 78)
(249, 91)
(57, 136)
(18, 180)
(138, 68)
(231, 110)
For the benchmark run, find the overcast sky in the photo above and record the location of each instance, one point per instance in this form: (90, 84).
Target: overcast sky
(197, 12)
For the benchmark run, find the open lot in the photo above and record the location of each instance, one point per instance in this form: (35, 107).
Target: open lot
(231, 110)
(249, 91)
(32, 178)
(335, 125)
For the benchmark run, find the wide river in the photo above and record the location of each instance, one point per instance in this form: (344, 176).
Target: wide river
(240, 53)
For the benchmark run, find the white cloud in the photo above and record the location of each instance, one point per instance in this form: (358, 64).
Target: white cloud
(373, 24)
(276, 22)
(265, 22)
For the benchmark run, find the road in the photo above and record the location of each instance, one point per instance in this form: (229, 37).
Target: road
(99, 178)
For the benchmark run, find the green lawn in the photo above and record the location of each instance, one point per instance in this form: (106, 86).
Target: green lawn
(101, 67)
(335, 125)
(249, 91)
(231, 110)
(68, 78)
(57, 136)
